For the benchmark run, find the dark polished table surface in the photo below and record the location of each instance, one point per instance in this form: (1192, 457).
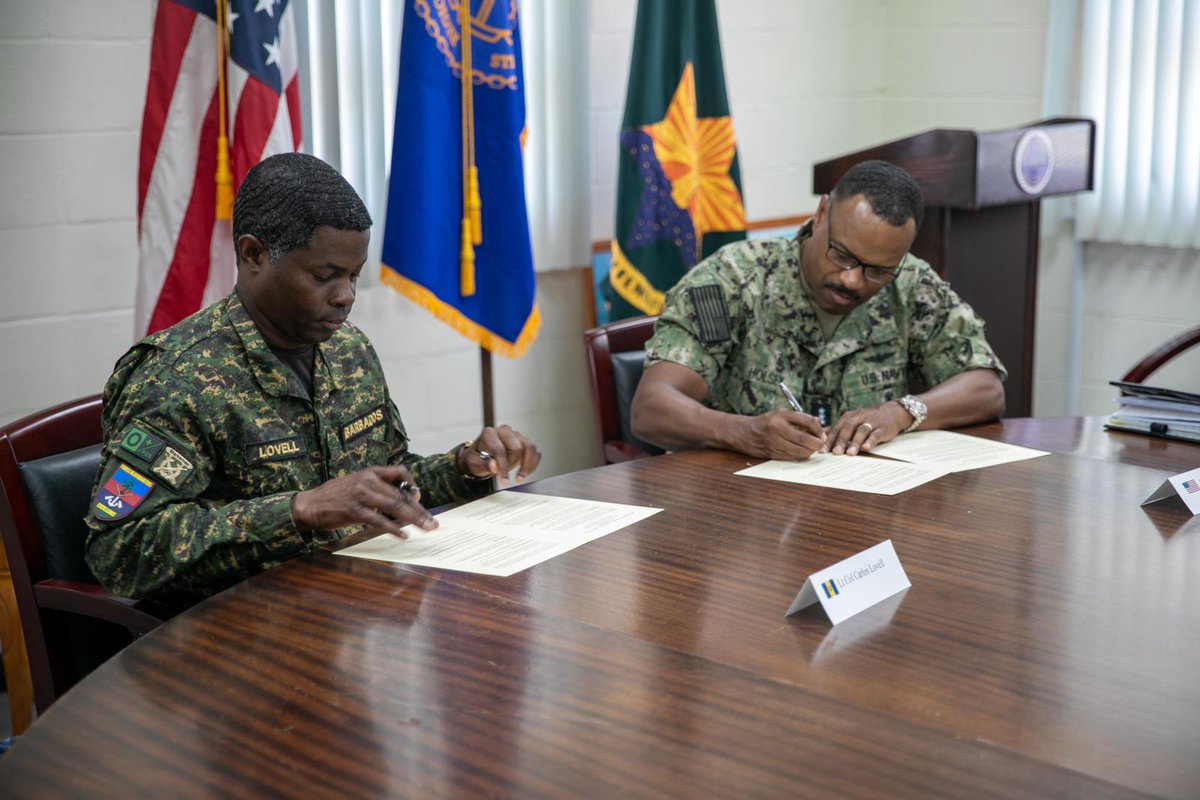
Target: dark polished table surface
(1049, 646)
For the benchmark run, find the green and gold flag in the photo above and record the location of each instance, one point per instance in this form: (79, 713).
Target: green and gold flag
(679, 194)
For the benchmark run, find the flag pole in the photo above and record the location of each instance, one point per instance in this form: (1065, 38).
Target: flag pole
(472, 228)
(485, 374)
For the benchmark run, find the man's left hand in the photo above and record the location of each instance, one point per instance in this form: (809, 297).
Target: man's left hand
(864, 428)
(497, 452)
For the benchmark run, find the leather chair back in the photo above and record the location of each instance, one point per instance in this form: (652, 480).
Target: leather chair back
(70, 624)
(627, 370)
(60, 489)
(615, 354)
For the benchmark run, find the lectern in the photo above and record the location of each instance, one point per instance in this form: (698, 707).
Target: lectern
(982, 193)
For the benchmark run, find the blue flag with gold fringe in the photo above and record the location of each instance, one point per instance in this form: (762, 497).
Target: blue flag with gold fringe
(456, 234)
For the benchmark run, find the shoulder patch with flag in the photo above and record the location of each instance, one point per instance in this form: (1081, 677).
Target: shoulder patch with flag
(124, 491)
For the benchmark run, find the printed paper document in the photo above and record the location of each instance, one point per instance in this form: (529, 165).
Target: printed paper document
(853, 473)
(954, 452)
(503, 533)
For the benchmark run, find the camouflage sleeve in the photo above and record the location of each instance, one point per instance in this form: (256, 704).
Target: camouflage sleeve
(946, 336)
(151, 532)
(437, 476)
(698, 324)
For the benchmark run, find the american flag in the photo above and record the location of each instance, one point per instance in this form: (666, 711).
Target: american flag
(187, 259)
(1191, 486)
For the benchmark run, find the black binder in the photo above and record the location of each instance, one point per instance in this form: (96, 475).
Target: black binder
(1169, 413)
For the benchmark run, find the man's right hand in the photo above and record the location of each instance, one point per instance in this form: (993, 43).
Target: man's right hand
(372, 496)
(788, 435)
(669, 411)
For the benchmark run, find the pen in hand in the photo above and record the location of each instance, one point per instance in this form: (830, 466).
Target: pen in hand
(791, 398)
(795, 404)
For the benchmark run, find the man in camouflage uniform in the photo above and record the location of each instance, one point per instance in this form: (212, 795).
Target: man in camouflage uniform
(261, 426)
(843, 315)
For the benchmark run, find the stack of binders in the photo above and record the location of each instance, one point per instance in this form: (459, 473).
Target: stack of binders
(1168, 413)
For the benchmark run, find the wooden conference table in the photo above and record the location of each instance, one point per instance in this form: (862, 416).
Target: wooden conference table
(1049, 646)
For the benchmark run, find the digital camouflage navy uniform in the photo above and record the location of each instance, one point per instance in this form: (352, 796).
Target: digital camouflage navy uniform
(207, 437)
(742, 320)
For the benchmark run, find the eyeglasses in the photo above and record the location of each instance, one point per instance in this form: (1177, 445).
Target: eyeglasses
(843, 260)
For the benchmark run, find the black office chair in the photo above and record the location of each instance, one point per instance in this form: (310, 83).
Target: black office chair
(48, 465)
(1143, 369)
(615, 354)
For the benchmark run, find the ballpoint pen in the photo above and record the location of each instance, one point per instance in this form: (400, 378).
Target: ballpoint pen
(791, 398)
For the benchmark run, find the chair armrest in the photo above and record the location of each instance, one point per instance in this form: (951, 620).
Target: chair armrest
(95, 601)
(618, 450)
(1141, 370)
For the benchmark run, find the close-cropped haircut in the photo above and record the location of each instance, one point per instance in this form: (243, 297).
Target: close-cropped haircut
(893, 193)
(288, 196)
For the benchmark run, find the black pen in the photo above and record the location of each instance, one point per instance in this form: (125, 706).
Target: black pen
(791, 398)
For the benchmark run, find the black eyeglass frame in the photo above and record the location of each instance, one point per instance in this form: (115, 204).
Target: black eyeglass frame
(838, 257)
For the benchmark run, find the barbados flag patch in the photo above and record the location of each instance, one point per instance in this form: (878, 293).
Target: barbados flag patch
(831, 589)
(124, 491)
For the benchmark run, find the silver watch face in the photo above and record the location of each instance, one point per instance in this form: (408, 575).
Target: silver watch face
(916, 407)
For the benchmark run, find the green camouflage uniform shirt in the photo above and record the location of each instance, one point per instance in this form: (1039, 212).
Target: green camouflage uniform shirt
(742, 320)
(208, 435)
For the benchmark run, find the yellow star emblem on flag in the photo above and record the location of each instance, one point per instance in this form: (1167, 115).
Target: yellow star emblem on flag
(696, 154)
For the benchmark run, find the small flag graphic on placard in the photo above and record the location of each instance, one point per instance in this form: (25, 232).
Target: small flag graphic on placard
(1191, 486)
(830, 588)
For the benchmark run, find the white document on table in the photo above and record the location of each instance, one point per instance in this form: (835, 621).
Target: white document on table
(853, 473)
(503, 533)
(955, 452)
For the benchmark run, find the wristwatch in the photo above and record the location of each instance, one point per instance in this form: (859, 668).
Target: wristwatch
(915, 406)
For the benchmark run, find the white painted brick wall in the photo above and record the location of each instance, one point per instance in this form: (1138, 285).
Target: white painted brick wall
(1136, 298)
(72, 85)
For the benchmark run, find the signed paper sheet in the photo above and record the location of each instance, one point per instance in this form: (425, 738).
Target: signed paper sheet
(503, 533)
(955, 452)
(853, 473)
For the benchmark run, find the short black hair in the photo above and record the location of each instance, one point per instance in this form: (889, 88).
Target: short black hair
(288, 196)
(893, 193)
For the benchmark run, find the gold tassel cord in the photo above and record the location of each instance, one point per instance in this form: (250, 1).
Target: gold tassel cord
(474, 202)
(466, 261)
(467, 251)
(224, 175)
(476, 206)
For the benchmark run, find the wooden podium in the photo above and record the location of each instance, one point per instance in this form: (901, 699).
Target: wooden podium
(982, 193)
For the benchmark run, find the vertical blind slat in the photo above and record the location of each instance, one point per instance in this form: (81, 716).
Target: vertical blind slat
(1140, 80)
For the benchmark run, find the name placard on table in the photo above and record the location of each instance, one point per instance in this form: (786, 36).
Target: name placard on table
(1184, 487)
(854, 584)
